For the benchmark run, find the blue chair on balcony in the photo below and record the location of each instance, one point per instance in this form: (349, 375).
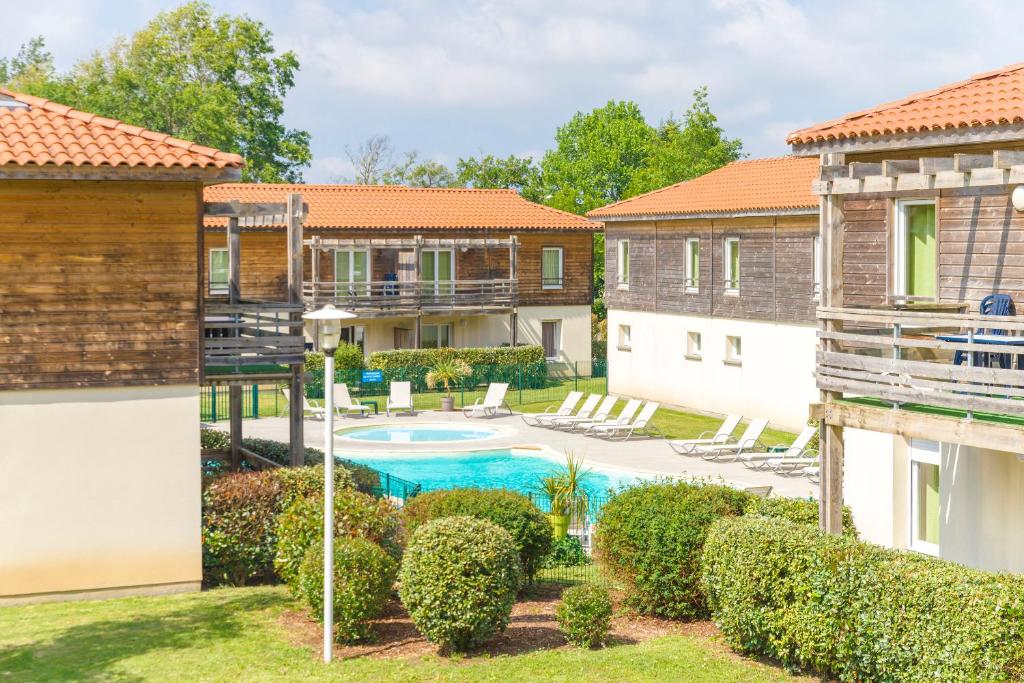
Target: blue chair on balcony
(993, 304)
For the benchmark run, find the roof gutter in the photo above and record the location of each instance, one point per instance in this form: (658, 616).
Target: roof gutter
(805, 211)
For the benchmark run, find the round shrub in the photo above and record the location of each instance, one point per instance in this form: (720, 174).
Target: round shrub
(302, 482)
(797, 510)
(566, 552)
(458, 580)
(513, 512)
(363, 577)
(239, 518)
(650, 538)
(355, 515)
(584, 615)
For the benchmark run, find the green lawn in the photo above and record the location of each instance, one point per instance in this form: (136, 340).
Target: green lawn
(235, 635)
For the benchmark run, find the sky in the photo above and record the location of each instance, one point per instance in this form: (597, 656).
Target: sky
(455, 78)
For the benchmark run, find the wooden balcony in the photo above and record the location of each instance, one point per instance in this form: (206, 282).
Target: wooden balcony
(393, 298)
(251, 341)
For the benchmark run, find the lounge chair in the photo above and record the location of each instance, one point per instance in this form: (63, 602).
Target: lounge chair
(400, 398)
(641, 424)
(793, 465)
(343, 403)
(623, 418)
(601, 414)
(565, 409)
(748, 441)
(584, 413)
(689, 446)
(798, 449)
(813, 473)
(307, 409)
(491, 403)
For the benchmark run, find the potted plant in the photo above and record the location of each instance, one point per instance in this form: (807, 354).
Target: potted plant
(447, 370)
(566, 495)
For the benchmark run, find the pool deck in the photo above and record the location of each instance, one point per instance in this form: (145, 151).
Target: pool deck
(637, 454)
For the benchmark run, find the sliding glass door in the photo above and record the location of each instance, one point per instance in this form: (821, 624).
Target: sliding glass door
(437, 270)
(351, 272)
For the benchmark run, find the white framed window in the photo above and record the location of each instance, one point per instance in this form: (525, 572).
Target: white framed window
(731, 255)
(817, 268)
(925, 504)
(916, 249)
(551, 267)
(219, 271)
(437, 269)
(625, 338)
(623, 264)
(693, 346)
(551, 338)
(733, 350)
(435, 336)
(692, 264)
(354, 334)
(351, 272)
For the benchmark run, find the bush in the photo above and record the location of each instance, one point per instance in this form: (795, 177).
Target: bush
(650, 537)
(363, 577)
(584, 615)
(798, 510)
(239, 518)
(566, 552)
(355, 515)
(426, 358)
(856, 611)
(364, 478)
(301, 482)
(513, 512)
(458, 580)
(214, 440)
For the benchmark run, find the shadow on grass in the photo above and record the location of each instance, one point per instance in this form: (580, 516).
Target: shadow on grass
(90, 651)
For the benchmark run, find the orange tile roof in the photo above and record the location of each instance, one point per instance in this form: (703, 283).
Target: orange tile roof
(987, 99)
(40, 132)
(754, 185)
(405, 208)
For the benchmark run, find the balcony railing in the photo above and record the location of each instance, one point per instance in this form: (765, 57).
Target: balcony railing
(252, 338)
(961, 361)
(429, 296)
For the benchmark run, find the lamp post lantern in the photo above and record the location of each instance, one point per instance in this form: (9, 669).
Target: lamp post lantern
(328, 321)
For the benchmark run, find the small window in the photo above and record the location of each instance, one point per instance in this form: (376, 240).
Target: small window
(435, 336)
(817, 267)
(693, 346)
(551, 338)
(924, 496)
(693, 264)
(405, 338)
(732, 265)
(625, 338)
(219, 271)
(551, 268)
(733, 350)
(354, 334)
(623, 264)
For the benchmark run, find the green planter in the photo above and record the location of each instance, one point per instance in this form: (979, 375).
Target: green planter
(559, 526)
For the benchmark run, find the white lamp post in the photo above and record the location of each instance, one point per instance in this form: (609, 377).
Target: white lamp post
(329, 336)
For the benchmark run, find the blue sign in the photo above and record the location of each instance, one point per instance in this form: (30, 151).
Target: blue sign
(373, 376)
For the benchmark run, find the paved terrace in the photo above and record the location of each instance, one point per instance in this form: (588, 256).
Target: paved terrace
(638, 454)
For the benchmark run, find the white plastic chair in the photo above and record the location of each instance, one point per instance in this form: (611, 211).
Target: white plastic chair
(798, 449)
(400, 398)
(491, 403)
(641, 424)
(725, 430)
(343, 403)
(568, 404)
(307, 409)
(583, 413)
(750, 440)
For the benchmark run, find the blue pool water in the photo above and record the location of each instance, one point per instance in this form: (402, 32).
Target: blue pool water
(504, 468)
(417, 434)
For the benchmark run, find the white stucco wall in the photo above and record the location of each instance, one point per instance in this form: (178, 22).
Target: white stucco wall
(870, 477)
(775, 379)
(99, 491)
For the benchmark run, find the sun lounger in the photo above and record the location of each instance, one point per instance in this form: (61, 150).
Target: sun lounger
(792, 465)
(641, 424)
(813, 473)
(748, 441)
(759, 461)
(600, 415)
(689, 446)
(623, 418)
(307, 409)
(565, 409)
(343, 403)
(400, 398)
(584, 413)
(491, 403)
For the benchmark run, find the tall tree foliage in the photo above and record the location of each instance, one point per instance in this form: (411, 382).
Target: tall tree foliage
(511, 173)
(213, 79)
(32, 66)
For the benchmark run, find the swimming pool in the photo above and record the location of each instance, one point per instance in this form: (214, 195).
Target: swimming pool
(422, 433)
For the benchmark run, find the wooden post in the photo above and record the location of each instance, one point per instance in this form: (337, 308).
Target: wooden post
(418, 270)
(234, 239)
(513, 274)
(830, 505)
(296, 440)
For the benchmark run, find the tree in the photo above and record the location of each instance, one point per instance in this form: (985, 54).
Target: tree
(212, 79)
(371, 160)
(415, 173)
(31, 68)
(512, 173)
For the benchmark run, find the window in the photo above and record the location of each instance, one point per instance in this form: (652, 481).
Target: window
(623, 263)
(435, 336)
(437, 266)
(817, 267)
(915, 249)
(693, 346)
(551, 267)
(732, 265)
(219, 271)
(693, 264)
(405, 338)
(625, 340)
(924, 496)
(351, 272)
(551, 338)
(733, 350)
(354, 334)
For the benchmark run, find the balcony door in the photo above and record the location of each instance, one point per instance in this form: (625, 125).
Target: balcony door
(916, 249)
(351, 272)
(437, 271)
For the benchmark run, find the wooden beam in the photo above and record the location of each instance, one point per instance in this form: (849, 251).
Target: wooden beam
(914, 181)
(235, 417)
(860, 169)
(833, 171)
(935, 164)
(969, 162)
(894, 167)
(297, 446)
(234, 239)
(237, 208)
(1005, 158)
(830, 495)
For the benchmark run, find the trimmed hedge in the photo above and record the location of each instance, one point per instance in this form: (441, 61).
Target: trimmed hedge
(459, 580)
(798, 510)
(650, 537)
(585, 614)
(425, 358)
(513, 512)
(852, 610)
